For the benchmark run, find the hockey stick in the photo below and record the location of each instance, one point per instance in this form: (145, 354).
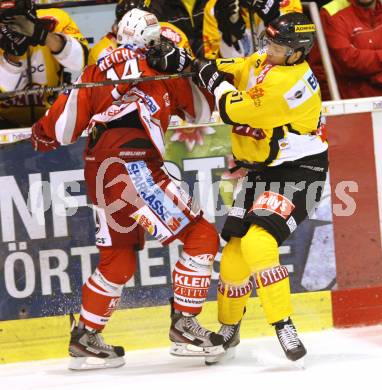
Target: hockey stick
(68, 87)
(252, 26)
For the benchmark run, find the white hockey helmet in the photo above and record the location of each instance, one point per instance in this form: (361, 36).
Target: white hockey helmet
(138, 29)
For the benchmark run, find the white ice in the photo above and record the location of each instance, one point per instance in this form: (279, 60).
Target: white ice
(344, 359)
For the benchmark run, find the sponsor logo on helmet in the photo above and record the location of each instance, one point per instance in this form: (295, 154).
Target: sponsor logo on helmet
(129, 31)
(302, 28)
(151, 19)
(271, 31)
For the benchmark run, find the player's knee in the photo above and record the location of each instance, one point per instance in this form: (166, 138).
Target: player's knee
(201, 238)
(233, 268)
(259, 248)
(117, 265)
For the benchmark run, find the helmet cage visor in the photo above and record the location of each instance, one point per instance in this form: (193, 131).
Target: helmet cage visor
(265, 41)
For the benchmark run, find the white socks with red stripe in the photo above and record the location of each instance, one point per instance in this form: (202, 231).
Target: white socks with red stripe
(99, 300)
(191, 280)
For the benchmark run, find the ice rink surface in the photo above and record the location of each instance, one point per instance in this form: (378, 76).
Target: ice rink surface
(344, 359)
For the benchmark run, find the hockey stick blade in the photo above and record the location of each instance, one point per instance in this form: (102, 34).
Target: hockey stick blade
(68, 87)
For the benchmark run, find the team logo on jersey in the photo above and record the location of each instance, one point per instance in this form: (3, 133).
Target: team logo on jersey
(284, 144)
(256, 92)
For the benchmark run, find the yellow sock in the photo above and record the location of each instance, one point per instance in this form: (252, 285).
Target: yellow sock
(235, 286)
(260, 251)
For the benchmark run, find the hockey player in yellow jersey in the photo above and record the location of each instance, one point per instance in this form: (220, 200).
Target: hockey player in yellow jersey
(227, 29)
(109, 41)
(53, 42)
(274, 105)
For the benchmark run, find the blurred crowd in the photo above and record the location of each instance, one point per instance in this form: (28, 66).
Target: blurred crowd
(39, 45)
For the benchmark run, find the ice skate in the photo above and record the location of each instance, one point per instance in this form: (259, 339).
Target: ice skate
(88, 350)
(190, 339)
(231, 335)
(286, 333)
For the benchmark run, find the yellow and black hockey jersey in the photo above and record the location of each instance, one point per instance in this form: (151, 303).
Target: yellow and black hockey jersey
(275, 110)
(46, 69)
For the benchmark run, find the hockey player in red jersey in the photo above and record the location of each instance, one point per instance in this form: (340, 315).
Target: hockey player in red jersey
(131, 191)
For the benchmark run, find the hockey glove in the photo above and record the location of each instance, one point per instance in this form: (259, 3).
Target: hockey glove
(12, 42)
(40, 141)
(30, 26)
(266, 9)
(230, 22)
(207, 75)
(166, 57)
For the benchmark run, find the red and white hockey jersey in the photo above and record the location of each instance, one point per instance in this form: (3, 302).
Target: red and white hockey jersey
(152, 103)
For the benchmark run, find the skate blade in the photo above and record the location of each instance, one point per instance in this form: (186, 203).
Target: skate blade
(94, 363)
(189, 350)
(300, 363)
(229, 354)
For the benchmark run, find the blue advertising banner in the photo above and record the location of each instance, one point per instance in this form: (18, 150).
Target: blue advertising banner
(47, 247)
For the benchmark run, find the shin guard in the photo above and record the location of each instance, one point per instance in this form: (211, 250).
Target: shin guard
(232, 301)
(99, 300)
(260, 250)
(235, 286)
(273, 289)
(191, 280)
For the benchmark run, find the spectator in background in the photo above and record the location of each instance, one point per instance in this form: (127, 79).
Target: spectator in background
(186, 15)
(227, 25)
(35, 47)
(354, 35)
(109, 42)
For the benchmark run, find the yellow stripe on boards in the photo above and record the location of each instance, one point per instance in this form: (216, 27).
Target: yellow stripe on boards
(45, 338)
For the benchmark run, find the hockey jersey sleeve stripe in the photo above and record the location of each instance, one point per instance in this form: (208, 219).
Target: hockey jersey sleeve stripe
(222, 110)
(66, 123)
(74, 55)
(202, 110)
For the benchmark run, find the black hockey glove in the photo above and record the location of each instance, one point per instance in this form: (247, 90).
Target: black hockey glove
(230, 22)
(31, 26)
(266, 9)
(166, 57)
(207, 75)
(12, 42)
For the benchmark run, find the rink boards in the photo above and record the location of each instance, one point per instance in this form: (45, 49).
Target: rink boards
(42, 338)
(335, 261)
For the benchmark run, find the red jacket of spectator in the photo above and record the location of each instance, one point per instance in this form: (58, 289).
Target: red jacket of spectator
(354, 37)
